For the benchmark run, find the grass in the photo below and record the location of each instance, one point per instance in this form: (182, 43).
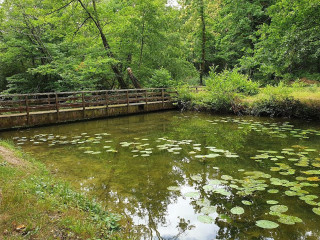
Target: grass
(295, 100)
(34, 205)
(305, 95)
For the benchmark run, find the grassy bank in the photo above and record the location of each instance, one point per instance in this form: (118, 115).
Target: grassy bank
(232, 92)
(34, 205)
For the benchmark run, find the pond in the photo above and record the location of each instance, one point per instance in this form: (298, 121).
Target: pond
(173, 175)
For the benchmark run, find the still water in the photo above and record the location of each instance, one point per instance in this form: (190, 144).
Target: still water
(173, 175)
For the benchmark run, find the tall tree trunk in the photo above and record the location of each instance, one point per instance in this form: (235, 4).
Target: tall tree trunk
(203, 41)
(105, 43)
(142, 43)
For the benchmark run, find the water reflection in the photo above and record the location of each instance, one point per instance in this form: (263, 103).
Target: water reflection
(137, 186)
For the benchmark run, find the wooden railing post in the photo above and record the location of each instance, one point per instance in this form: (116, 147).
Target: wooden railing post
(83, 105)
(107, 102)
(146, 99)
(127, 95)
(27, 110)
(162, 96)
(57, 106)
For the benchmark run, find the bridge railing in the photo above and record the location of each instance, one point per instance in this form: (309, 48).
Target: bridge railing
(60, 101)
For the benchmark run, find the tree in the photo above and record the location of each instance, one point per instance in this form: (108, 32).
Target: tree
(289, 46)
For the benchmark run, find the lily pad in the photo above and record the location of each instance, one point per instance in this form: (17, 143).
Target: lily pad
(173, 188)
(316, 210)
(192, 194)
(273, 191)
(208, 210)
(266, 224)
(208, 187)
(271, 202)
(237, 210)
(279, 208)
(245, 202)
(205, 219)
(196, 177)
(289, 220)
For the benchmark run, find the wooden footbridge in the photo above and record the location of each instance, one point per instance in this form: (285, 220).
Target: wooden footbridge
(27, 110)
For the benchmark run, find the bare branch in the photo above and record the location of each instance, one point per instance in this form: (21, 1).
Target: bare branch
(81, 25)
(57, 10)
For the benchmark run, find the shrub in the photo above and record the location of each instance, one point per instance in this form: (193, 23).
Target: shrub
(161, 78)
(280, 92)
(231, 81)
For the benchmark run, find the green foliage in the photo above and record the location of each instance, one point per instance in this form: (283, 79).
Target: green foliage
(49, 46)
(289, 45)
(223, 91)
(161, 78)
(229, 82)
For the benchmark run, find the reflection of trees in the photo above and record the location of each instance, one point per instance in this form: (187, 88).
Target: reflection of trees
(138, 187)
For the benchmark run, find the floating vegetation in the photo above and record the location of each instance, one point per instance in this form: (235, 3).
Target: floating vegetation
(237, 210)
(266, 224)
(279, 208)
(192, 194)
(213, 175)
(316, 210)
(205, 219)
(208, 209)
(173, 188)
(248, 203)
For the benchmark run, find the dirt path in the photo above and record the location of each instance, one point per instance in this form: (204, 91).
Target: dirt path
(10, 157)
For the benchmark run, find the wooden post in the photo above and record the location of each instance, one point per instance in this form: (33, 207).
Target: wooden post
(27, 110)
(162, 95)
(127, 95)
(196, 89)
(146, 99)
(83, 105)
(107, 102)
(57, 106)
(20, 107)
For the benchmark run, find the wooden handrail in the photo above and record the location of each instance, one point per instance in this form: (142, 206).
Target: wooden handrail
(57, 101)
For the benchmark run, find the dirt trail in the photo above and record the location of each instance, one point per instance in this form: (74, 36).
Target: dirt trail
(10, 157)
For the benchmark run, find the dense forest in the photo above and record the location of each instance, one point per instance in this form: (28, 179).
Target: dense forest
(58, 45)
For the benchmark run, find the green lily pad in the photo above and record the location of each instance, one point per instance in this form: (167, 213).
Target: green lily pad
(208, 210)
(224, 218)
(215, 182)
(279, 208)
(173, 188)
(203, 202)
(208, 187)
(272, 202)
(237, 210)
(289, 220)
(273, 191)
(248, 203)
(316, 210)
(196, 177)
(205, 219)
(192, 194)
(266, 224)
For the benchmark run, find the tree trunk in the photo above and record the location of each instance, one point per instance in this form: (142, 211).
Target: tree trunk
(203, 42)
(142, 44)
(105, 43)
(134, 80)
